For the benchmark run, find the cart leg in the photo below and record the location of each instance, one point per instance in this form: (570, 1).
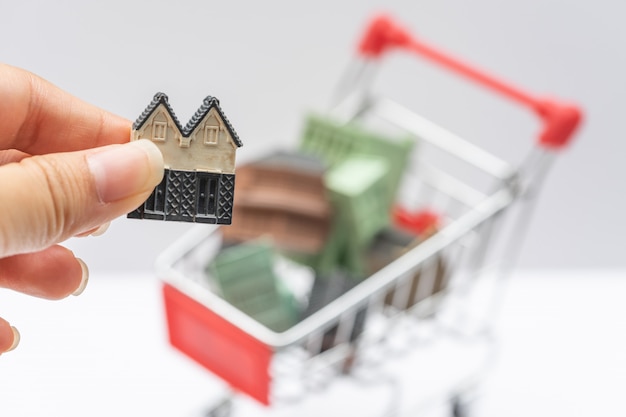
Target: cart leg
(459, 408)
(465, 404)
(224, 408)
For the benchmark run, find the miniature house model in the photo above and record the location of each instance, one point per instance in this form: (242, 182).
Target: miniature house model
(283, 196)
(199, 181)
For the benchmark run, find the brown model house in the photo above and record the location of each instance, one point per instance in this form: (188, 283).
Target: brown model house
(199, 180)
(282, 196)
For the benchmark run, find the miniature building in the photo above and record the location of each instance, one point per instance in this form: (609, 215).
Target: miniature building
(365, 171)
(199, 181)
(334, 143)
(394, 242)
(327, 289)
(282, 196)
(245, 276)
(358, 187)
(410, 229)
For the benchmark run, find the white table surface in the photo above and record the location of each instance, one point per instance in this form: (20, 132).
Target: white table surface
(106, 353)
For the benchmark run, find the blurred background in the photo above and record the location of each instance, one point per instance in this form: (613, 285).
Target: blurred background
(272, 62)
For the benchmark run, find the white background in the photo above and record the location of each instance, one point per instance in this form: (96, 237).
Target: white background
(105, 353)
(271, 62)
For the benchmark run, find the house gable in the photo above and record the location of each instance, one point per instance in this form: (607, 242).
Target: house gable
(213, 130)
(159, 126)
(206, 143)
(159, 100)
(199, 181)
(208, 104)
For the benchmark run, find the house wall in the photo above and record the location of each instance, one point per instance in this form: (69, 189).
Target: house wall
(191, 153)
(281, 201)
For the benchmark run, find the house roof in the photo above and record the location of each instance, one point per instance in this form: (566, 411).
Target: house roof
(293, 160)
(208, 103)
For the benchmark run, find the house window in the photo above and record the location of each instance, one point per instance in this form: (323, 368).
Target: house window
(207, 193)
(159, 129)
(155, 204)
(211, 135)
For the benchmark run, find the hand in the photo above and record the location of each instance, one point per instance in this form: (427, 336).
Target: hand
(65, 170)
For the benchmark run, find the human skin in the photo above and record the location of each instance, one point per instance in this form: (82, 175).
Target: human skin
(66, 169)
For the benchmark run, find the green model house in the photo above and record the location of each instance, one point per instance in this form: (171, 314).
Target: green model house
(365, 171)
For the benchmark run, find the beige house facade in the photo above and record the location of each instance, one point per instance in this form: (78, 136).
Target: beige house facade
(198, 185)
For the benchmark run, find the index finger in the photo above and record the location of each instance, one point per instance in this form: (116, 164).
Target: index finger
(37, 117)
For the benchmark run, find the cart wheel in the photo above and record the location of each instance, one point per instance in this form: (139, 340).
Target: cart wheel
(461, 406)
(459, 410)
(222, 409)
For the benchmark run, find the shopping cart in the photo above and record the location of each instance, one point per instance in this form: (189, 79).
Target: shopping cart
(399, 314)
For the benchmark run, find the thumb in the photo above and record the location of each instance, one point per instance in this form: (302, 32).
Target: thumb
(47, 199)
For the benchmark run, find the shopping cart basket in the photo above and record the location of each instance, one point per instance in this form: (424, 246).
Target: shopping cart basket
(254, 360)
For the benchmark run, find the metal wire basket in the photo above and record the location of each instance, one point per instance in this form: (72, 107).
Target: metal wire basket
(444, 288)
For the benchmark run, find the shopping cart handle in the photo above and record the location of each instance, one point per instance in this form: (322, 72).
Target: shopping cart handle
(381, 35)
(560, 119)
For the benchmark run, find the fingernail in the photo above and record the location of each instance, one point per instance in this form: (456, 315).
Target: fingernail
(101, 230)
(16, 339)
(121, 171)
(96, 231)
(84, 280)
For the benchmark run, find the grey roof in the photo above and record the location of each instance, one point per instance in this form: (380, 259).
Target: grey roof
(207, 104)
(294, 160)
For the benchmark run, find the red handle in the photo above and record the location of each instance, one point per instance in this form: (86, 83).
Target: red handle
(560, 119)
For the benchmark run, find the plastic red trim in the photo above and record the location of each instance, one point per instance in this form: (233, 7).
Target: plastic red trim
(560, 119)
(421, 222)
(218, 345)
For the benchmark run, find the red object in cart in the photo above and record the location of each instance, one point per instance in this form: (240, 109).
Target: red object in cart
(421, 222)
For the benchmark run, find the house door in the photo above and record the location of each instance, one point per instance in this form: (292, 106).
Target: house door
(206, 196)
(154, 207)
